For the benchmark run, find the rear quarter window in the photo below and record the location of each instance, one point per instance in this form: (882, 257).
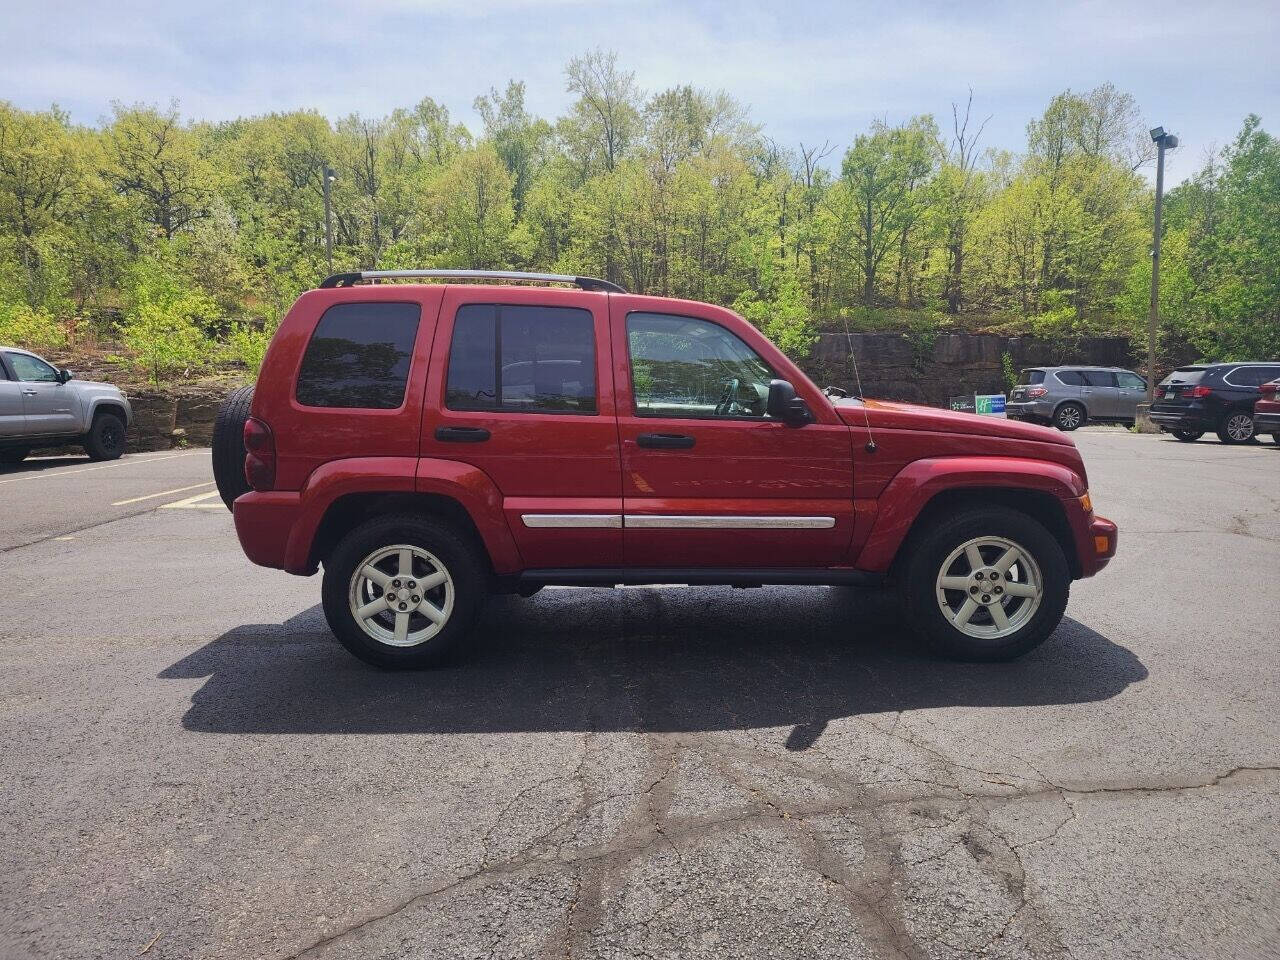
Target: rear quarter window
(359, 356)
(1031, 377)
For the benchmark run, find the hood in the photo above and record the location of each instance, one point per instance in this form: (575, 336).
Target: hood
(909, 416)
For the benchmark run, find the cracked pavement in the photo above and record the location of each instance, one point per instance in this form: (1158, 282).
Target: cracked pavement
(194, 768)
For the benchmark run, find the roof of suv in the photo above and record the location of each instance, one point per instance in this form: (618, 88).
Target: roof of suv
(1077, 366)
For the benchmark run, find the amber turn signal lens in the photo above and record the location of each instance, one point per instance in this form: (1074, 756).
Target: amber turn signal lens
(1101, 545)
(1087, 503)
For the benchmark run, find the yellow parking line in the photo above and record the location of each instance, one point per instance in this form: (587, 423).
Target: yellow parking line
(48, 475)
(162, 493)
(194, 503)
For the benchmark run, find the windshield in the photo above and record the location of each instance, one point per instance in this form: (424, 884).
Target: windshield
(1031, 376)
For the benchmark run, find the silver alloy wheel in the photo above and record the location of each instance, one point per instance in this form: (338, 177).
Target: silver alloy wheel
(1069, 417)
(1239, 427)
(401, 595)
(989, 587)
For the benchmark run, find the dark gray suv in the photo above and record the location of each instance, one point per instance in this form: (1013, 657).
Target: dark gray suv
(1070, 397)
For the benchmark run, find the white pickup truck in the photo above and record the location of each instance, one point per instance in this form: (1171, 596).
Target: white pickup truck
(42, 406)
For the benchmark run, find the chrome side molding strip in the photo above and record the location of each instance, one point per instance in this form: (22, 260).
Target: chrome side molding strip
(661, 522)
(726, 522)
(567, 520)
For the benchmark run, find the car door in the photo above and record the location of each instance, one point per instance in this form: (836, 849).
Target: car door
(49, 406)
(521, 387)
(1099, 392)
(12, 420)
(1131, 390)
(709, 480)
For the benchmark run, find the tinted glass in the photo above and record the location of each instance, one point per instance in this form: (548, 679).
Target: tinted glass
(547, 359)
(1186, 375)
(359, 356)
(1131, 381)
(682, 367)
(1252, 376)
(32, 369)
(1072, 378)
(1031, 376)
(1099, 378)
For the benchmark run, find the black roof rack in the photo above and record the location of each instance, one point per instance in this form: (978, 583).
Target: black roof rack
(586, 283)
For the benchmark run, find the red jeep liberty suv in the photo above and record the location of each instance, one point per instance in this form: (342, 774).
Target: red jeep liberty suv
(428, 444)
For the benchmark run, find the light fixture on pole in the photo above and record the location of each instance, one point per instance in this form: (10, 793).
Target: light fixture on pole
(1163, 141)
(329, 177)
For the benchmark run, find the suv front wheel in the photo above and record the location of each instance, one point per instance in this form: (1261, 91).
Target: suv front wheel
(401, 591)
(988, 583)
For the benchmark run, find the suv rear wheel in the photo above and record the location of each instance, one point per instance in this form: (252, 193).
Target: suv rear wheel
(401, 591)
(1188, 436)
(1069, 416)
(988, 583)
(1236, 427)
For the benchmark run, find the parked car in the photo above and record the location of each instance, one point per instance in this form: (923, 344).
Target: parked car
(42, 406)
(1212, 397)
(429, 444)
(1070, 397)
(1266, 412)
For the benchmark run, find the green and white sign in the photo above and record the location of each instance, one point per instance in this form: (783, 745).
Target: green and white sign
(989, 403)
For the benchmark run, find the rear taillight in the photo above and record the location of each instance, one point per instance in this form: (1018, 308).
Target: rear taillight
(1037, 391)
(260, 455)
(1269, 390)
(1200, 392)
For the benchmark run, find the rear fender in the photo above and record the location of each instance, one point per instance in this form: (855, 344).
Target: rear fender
(470, 487)
(920, 481)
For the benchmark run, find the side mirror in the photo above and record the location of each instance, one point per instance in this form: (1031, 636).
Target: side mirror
(64, 375)
(784, 405)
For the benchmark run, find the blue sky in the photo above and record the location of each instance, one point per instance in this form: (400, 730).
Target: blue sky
(810, 71)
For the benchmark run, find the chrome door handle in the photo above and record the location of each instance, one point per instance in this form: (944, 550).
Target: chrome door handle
(31, 393)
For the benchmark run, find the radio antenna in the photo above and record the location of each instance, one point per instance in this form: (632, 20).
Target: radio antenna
(866, 417)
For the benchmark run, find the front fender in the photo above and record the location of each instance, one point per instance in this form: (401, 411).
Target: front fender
(920, 481)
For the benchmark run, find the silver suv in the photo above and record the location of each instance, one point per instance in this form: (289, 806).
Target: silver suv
(1070, 397)
(42, 406)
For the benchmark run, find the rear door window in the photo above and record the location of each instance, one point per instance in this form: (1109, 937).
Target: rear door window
(1099, 378)
(526, 359)
(1030, 377)
(359, 356)
(1072, 378)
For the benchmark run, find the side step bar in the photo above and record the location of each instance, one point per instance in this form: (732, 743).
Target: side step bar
(699, 576)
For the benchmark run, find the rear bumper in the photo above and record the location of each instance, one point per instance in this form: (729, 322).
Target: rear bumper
(1264, 421)
(1181, 418)
(1031, 410)
(266, 524)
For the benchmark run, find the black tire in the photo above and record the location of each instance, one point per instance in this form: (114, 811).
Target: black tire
(14, 454)
(917, 578)
(1070, 416)
(228, 445)
(1188, 436)
(462, 560)
(105, 440)
(1236, 427)
(1275, 438)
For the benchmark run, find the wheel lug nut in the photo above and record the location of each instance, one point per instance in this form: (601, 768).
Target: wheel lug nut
(978, 576)
(404, 606)
(973, 589)
(410, 584)
(395, 583)
(414, 598)
(986, 598)
(999, 590)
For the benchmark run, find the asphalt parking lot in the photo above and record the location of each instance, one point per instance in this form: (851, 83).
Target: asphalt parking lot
(193, 767)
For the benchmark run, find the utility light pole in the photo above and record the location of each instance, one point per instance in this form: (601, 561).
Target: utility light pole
(329, 177)
(1163, 141)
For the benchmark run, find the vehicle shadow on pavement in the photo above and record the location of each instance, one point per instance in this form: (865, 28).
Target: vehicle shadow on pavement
(671, 660)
